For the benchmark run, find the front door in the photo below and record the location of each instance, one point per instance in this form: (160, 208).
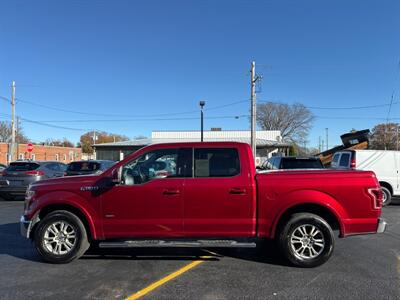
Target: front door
(219, 198)
(148, 202)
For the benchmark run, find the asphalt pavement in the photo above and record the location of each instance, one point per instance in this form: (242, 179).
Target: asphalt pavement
(362, 267)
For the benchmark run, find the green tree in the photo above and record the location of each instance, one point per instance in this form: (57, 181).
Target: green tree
(86, 140)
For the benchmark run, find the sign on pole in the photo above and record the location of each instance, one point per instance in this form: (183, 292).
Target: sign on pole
(30, 147)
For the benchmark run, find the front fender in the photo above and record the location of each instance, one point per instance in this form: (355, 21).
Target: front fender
(303, 197)
(64, 198)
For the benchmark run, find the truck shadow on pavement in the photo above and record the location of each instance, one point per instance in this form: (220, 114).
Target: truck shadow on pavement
(13, 244)
(266, 252)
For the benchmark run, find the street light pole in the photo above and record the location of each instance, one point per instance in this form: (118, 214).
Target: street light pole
(202, 103)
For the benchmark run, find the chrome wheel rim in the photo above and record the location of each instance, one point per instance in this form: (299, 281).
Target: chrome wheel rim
(59, 238)
(307, 241)
(384, 197)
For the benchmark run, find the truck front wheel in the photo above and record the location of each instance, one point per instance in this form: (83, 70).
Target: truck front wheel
(61, 237)
(306, 240)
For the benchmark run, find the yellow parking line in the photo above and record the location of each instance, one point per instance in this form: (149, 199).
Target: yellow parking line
(164, 280)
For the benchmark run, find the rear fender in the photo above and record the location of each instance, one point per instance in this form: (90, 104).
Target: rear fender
(314, 197)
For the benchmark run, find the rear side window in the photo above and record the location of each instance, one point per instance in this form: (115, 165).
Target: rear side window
(275, 162)
(344, 160)
(301, 164)
(53, 167)
(335, 158)
(83, 166)
(22, 166)
(216, 162)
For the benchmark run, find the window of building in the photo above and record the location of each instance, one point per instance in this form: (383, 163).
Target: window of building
(57, 157)
(65, 157)
(216, 162)
(33, 156)
(21, 156)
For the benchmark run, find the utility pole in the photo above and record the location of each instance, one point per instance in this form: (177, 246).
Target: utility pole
(94, 142)
(202, 103)
(254, 78)
(322, 145)
(12, 145)
(319, 143)
(326, 132)
(16, 135)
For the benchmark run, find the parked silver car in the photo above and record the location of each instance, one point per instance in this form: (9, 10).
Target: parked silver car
(16, 178)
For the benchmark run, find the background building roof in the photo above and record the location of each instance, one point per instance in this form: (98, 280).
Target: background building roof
(263, 138)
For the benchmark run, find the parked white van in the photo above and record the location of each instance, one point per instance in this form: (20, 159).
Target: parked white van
(384, 163)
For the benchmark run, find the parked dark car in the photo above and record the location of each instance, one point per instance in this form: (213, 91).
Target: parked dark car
(86, 167)
(15, 179)
(291, 162)
(2, 167)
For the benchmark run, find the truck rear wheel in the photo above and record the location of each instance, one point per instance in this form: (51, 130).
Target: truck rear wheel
(387, 196)
(61, 237)
(306, 240)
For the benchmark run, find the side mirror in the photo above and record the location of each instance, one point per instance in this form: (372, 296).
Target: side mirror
(117, 175)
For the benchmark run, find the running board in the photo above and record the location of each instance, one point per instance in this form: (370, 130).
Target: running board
(177, 244)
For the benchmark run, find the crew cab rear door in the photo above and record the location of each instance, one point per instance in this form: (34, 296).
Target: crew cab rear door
(148, 202)
(218, 199)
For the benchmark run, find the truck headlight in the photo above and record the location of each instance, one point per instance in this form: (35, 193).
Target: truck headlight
(29, 194)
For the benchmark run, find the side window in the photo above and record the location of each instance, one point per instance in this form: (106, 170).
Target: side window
(277, 163)
(274, 162)
(53, 167)
(158, 164)
(216, 162)
(335, 160)
(268, 164)
(344, 160)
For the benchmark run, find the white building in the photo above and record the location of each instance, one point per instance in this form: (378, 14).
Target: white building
(267, 141)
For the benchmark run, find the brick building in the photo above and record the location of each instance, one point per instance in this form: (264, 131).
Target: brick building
(40, 152)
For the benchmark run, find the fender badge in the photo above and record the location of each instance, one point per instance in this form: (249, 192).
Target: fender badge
(89, 188)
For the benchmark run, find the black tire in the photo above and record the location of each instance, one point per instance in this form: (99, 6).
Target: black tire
(79, 247)
(387, 195)
(289, 249)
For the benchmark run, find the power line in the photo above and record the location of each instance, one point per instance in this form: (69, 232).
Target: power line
(344, 108)
(145, 119)
(392, 97)
(123, 115)
(48, 122)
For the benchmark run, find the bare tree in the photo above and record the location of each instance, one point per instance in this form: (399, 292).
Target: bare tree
(61, 143)
(5, 134)
(384, 136)
(294, 121)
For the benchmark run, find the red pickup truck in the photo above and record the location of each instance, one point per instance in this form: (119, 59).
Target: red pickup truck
(200, 195)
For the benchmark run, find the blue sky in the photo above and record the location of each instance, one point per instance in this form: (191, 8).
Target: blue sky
(123, 59)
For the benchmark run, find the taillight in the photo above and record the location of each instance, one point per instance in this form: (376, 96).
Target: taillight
(376, 196)
(353, 163)
(34, 173)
